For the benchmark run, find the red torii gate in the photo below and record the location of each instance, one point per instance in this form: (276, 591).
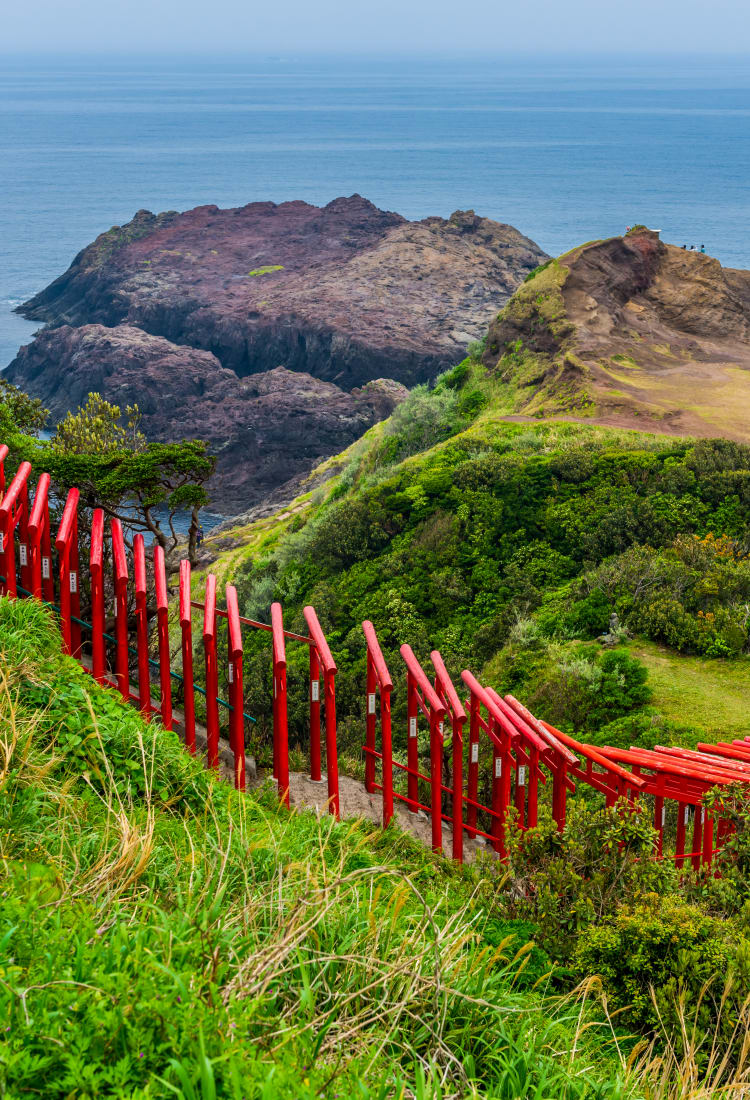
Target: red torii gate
(525, 752)
(36, 575)
(14, 515)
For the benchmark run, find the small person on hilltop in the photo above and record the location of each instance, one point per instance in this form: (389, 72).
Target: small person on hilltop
(199, 536)
(703, 249)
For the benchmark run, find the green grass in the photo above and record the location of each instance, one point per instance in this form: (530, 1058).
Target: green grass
(164, 936)
(709, 693)
(267, 270)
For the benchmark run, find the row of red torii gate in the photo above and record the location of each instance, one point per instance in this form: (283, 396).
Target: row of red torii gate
(472, 756)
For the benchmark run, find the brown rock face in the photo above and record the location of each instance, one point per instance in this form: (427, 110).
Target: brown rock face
(266, 429)
(263, 329)
(633, 332)
(346, 292)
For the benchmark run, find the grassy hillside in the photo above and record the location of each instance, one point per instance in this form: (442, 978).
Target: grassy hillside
(163, 936)
(509, 547)
(709, 693)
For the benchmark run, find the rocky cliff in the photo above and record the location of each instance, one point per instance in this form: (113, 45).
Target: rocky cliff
(266, 429)
(256, 327)
(634, 332)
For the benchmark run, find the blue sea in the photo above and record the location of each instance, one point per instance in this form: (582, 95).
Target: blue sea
(566, 149)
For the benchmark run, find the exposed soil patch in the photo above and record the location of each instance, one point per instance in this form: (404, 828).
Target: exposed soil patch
(355, 802)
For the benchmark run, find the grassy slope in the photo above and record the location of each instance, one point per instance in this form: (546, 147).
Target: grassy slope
(558, 456)
(162, 935)
(544, 345)
(699, 691)
(243, 543)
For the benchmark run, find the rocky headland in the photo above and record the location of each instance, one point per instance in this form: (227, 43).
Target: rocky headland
(269, 330)
(632, 332)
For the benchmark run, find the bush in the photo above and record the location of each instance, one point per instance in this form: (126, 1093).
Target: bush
(727, 892)
(665, 960)
(422, 420)
(645, 729)
(693, 594)
(564, 882)
(587, 688)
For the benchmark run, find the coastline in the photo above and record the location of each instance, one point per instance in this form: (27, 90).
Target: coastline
(15, 331)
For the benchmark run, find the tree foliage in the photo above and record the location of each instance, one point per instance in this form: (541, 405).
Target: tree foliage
(145, 489)
(104, 455)
(19, 412)
(97, 428)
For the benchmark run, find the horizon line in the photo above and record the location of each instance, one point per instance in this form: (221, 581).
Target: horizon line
(280, 54)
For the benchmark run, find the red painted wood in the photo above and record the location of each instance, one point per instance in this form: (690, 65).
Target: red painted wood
(121, 608)
(141, 619)
(315, 757)
(329, 692)
(280, 723)
(237, 717)
(39, 527)
(162, 629)
(212, 673)
(14, 511)
(186, 628)
(96, 573)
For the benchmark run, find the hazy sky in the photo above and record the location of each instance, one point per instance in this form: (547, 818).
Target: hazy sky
(379, 25)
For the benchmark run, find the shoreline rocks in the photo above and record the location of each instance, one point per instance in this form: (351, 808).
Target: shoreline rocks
(192, 316)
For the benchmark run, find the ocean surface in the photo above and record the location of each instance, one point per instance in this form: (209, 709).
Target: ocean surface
(567, 150)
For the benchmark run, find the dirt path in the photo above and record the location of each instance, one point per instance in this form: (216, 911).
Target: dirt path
(355, 802)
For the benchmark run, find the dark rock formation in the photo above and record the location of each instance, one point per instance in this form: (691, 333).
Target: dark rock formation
(346, 293)
(265, 429)
(341, 295)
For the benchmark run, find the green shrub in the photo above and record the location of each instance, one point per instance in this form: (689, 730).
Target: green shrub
(586, 688)
(692, 594)
(564, 882)
(727, 891)
(645, 728)
(665, 960)
(509, 521)
(422, 420)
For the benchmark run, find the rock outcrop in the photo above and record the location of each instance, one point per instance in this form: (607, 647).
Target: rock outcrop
(346, 293)
(633, 332)
(261, 328)
(266, 429)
